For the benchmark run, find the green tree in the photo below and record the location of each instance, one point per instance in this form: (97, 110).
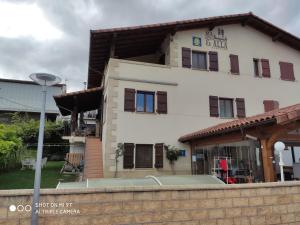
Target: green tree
(28, 129)
(22, 132)
(10, 146)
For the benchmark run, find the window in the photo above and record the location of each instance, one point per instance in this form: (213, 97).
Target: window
(223, 107)
(226, 108)
(256, 67)
(199, 60)
(261, 68)
(145, 101)
(287, 71)
(144, 156)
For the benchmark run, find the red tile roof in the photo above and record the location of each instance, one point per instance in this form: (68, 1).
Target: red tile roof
(279, 116)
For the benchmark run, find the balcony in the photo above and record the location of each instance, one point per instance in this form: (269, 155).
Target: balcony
(83, 107)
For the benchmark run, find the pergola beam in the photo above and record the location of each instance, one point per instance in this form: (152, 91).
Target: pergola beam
(74, 116)
(244, 22)
(211, 26)
(276, 37)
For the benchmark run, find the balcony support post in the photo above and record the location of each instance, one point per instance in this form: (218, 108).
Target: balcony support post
(74, 117)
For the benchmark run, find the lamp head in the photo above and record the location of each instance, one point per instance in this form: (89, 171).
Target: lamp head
(45, 79)
(279, 146)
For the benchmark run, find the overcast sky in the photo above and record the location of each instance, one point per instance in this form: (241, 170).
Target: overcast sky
(53, 35)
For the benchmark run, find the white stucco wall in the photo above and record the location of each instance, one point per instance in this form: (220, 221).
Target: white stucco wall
(188, 101)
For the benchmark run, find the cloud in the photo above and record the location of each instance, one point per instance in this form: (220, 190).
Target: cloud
(67, 23)
(25, 21)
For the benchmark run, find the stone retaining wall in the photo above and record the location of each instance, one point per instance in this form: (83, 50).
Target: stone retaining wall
(249, 204)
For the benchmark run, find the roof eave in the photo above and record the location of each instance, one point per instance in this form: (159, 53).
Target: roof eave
(184, 139)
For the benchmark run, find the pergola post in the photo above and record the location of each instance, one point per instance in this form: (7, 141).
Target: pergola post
(74, 117)
(267, 160)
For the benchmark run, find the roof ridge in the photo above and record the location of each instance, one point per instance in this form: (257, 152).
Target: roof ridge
(170, 23)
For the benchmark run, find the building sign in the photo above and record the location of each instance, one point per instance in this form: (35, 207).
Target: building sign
(216, 39)
(197, 41)
(194, 158)
(182, 153)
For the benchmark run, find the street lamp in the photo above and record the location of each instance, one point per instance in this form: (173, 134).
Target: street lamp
(44, 80)
(279, 147)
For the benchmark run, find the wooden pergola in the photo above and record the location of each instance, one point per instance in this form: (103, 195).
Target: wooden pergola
(77, 102)
(281, 124)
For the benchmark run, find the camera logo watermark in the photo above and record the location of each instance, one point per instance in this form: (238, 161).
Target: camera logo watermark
(53, 208)
(20, 208)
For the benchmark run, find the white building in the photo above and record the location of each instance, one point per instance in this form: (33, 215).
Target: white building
(26, 97)
(160, 82)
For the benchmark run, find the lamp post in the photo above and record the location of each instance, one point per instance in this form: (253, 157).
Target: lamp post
(279, 147)
(44, 80)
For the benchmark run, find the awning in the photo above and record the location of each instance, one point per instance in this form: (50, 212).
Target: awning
(278, 116)
(85, 100)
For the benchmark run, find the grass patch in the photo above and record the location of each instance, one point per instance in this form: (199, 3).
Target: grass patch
(24, 179)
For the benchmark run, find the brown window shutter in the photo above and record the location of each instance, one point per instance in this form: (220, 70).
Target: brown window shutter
(287, 71)
(213, 61)
(240, 107)
(162, 102)
(234, 64)
(159, 155)
(270, 105)
(265, 68)
(128, 156)
(214, 106)
(186, 57)
(129, 100)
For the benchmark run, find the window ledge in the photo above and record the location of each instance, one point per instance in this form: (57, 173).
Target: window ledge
(151, 113)
(287, 80)
(227, 118)
(146, 169)
(200, 69)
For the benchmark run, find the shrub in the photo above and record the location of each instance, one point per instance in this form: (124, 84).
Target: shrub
(10, 146)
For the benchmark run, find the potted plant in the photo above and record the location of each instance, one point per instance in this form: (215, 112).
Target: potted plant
(172, 154)
(118, 153)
